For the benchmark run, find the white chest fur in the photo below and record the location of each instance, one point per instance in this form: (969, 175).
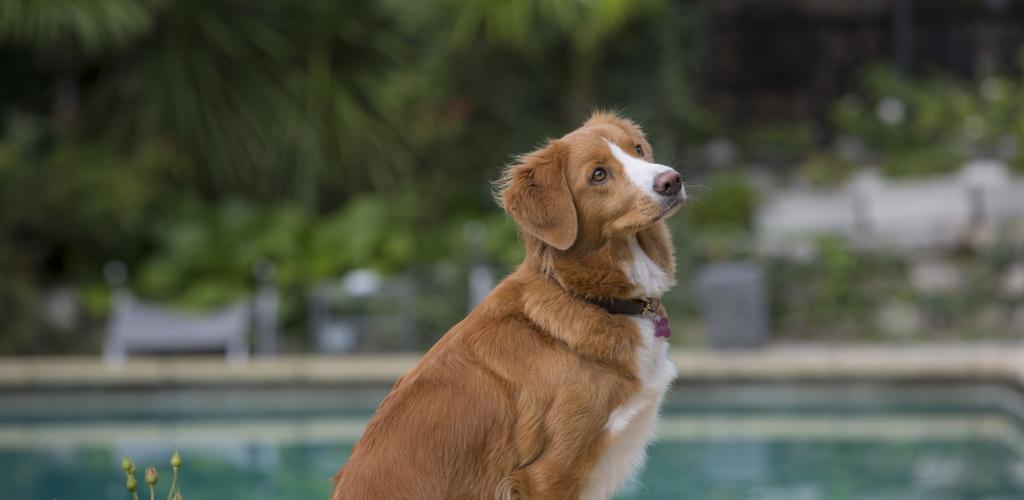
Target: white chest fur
(630, 427)
(650, 279)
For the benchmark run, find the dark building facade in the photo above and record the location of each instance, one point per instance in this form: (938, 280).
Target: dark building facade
(771, 59)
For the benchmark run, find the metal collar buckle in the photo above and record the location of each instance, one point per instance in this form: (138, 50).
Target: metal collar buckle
(650, 307)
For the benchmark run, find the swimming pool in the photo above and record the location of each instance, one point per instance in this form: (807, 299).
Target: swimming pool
(716, 441)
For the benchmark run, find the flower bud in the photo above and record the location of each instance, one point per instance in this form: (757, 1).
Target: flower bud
(151, 476)
(126, 465)
(175, 460)
(131, 484)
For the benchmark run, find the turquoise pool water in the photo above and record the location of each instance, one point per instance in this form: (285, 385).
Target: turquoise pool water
(717, 442)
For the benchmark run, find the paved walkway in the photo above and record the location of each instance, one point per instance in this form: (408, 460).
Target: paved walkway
(801, 362)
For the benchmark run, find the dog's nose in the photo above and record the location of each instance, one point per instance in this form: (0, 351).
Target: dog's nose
(668, 183)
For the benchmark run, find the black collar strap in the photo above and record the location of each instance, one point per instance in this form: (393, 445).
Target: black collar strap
(630, 306)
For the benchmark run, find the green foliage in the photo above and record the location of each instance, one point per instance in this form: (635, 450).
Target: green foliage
(192, 139)
(780, 141)
(337, 112)
(727, 204)
(502, 240)
(284, 100)
(825, 170)
(205, 254)
(529, 25)
(66, 206)
(928, 125)
(838, 266)
(921, 161)
(74, 202)
(92, 25)
(835, 294)
(843, 293)
(18, 298)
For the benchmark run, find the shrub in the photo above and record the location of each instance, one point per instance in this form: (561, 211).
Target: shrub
(726, 205)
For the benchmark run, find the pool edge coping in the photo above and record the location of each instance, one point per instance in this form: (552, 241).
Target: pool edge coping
(791, 362)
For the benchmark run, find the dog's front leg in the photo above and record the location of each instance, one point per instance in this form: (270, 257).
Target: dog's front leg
(573, 440)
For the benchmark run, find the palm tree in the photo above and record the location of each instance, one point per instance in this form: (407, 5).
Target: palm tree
(534, 26)
(274, 99)
(63, 32)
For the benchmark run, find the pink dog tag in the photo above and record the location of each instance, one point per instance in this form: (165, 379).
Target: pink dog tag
(661, 327)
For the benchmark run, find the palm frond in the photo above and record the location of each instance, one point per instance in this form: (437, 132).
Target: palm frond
(91, 25)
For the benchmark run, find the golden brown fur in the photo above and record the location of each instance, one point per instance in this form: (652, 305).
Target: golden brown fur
(512, 402)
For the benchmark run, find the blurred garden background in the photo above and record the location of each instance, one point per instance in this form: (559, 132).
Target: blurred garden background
(270, 183)
(866, 155)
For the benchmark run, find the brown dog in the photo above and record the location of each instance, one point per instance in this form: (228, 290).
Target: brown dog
(550, 388)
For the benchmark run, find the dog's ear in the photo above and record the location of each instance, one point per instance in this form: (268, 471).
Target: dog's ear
(534, 191)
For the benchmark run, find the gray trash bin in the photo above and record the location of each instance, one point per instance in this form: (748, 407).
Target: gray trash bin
(734, 304)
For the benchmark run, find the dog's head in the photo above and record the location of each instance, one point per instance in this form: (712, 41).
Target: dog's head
(591, 208)
(597, 183)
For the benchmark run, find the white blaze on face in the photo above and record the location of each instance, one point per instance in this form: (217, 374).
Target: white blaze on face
(641, 172)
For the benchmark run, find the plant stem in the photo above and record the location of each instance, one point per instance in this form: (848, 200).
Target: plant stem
(174, 482)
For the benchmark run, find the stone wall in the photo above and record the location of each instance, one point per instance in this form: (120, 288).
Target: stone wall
(972, 207)
(924, 258)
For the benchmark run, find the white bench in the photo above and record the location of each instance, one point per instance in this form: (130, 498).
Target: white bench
(874, 212)
(139, 326)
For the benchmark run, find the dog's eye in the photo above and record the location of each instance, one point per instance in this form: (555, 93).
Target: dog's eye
(639, 150)
(599, 175)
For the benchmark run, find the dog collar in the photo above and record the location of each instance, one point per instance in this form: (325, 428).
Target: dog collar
(630, 306)
(638, 307)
